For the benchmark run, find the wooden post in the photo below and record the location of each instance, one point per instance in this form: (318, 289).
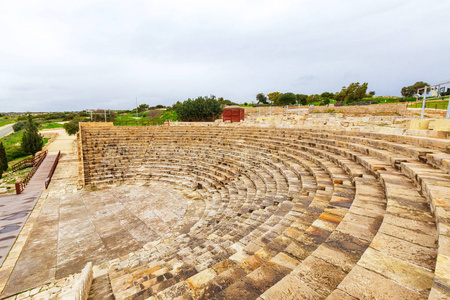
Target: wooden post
(18, 190)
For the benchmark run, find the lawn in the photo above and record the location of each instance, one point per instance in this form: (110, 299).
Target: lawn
(131, 119)
(50, 125)
(14, 151)
(430, 104)
(7, 120)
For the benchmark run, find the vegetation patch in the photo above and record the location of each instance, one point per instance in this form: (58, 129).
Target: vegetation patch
(199, 109)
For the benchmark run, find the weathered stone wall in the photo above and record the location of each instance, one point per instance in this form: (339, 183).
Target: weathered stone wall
(399, 108)
(83, 126)
(276, 110)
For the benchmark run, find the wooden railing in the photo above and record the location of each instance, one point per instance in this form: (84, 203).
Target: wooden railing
(27, 162)
(20, 185)
(138, 123)
(50, 174)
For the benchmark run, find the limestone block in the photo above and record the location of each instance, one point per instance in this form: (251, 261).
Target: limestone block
(442, 125)
(419, 124)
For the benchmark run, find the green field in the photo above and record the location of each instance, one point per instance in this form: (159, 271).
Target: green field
(50, 125)
(12, 146)
(129, 119)
(430, 104)
(7, 120)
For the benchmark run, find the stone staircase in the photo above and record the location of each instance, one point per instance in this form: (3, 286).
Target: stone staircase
(293, 214)
(288, 214)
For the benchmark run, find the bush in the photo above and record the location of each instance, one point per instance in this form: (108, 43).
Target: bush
(72, 127)
(14, 152)
(153, 114)
(200, 109)
(325, 102)
(19, 126)
(69, 117)
(22, 118)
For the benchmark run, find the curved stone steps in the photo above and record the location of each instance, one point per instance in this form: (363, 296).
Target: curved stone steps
(424, 176)
(332, 155)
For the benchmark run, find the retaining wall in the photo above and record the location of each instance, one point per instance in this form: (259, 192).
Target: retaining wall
(399, 108)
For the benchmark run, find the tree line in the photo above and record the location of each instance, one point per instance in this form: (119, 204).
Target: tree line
(349, 94)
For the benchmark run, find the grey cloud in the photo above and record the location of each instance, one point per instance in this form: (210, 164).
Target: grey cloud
(84, 54)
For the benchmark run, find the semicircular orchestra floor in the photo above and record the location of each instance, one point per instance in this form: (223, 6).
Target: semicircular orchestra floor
(100, 225)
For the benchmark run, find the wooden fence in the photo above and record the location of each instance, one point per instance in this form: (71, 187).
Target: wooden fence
(20, 185)
(50, 174)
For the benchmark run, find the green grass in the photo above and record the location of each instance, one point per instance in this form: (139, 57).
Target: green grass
(50, 126)
(429, 104)
(130, 117)
(168, 115)
(7, 120)
(12, 146)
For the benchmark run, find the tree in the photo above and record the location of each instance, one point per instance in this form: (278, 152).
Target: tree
(142, 107)
(72, 127)
(3, 160)
(327, 96)
(313, 98)
(286, 99)
(354, 92)
(31, 140)
(301, 99)
(409, 91)
(273, 96)
(200, 109)
(261, 98)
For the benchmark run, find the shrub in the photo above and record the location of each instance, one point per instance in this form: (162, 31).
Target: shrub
(19, 126)
(14, 152)
(72, 127)
(200, 109)
(153, 114)
(69, 117)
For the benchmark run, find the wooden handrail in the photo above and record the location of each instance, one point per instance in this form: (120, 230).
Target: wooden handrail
(50, 174)
(20, 185)
(27, 162)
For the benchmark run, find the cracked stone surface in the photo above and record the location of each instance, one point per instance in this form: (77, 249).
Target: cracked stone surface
(76, 228)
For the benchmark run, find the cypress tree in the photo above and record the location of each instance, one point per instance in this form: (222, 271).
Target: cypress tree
(31, 141)
(3, 160)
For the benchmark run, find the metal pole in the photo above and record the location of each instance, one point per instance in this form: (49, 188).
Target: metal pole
(423, 102)
(448, 109)
(105, 114)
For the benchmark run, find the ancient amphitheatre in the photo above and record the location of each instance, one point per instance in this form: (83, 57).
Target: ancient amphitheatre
(303, 206)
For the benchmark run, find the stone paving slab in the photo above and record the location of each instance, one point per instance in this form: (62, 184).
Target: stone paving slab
(94, 226)
(15, 209)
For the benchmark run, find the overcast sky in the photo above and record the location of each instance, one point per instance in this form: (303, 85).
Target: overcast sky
(74, 55)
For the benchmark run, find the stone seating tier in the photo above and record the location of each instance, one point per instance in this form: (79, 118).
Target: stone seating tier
(287, 213)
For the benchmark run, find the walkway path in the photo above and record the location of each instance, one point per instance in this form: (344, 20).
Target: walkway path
(5, 130)
(15, 209)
